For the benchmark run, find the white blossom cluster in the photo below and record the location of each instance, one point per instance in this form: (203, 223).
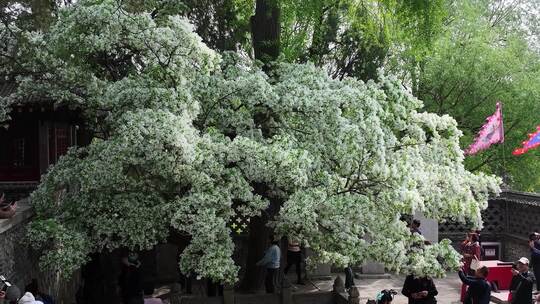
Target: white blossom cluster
(186, 136)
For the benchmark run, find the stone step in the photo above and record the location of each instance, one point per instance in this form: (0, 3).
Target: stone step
(372, 276)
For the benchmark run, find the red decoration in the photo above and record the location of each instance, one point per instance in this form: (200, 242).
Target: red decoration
(533, 142)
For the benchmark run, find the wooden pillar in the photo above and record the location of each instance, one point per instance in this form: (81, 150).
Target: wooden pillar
(43, 143)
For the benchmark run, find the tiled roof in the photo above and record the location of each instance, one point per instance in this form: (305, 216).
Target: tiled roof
(8, 88)
(528, 198)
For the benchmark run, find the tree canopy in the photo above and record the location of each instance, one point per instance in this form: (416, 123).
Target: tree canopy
(186, 138)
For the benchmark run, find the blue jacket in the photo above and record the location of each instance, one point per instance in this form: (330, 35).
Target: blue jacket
(479, 291)
(271, 257)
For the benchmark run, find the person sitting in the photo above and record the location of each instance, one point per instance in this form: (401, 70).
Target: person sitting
(479, 291)
(419, 290)
(149, 296)
(7, 209)
(522, 283)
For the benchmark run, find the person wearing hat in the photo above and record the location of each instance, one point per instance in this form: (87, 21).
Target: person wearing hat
(522, 283)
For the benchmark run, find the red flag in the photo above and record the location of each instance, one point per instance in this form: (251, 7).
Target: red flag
(492, 132)
(533, 142)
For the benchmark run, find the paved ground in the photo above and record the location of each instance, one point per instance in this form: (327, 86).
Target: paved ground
(449, 288)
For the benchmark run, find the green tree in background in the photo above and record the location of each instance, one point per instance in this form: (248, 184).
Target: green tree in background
(485, 56)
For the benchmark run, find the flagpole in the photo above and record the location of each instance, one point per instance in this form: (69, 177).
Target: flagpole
(503, 145)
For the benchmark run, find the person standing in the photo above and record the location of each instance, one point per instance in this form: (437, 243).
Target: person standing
(415, 227)
(130, 280)
(534, 244)
(419, 290)
(294, 257)
(349, 277)
(523, 282)
(271, 261)
(479, 291)
(470, 249)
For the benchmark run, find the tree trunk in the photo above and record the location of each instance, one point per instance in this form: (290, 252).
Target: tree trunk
(265, 31)
(258, 241)
(42, 13)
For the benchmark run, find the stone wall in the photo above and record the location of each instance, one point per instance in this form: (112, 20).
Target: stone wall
(15, 256)
(514, 248)
(19, 263)
(508, 219)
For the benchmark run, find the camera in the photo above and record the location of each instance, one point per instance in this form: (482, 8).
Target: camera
(4, 283)
(13, 293)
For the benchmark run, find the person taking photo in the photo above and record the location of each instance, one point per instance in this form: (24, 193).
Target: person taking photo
(522, 283)
(479, 291)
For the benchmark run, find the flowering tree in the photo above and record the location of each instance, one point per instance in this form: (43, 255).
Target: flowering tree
(185, 139)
